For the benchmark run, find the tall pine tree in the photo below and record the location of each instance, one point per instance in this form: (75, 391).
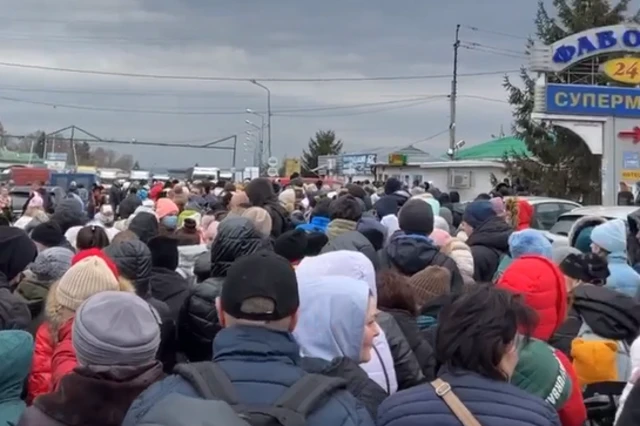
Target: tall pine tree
(324, 143)
(561, 164)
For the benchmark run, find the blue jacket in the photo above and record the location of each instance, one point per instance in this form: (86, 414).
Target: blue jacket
(622, 278)
(262, 364)
(317, 224)
(493, 403)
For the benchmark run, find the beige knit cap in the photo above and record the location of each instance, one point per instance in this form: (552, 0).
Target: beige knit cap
(84, 279)
(260, 218)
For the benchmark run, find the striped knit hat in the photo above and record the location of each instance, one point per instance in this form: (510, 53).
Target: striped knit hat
(85, 278)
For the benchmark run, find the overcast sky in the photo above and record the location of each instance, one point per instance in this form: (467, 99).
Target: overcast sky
(254, 39)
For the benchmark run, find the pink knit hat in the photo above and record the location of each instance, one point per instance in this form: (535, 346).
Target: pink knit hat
(165, 207)
(36, 201)
(440, 237)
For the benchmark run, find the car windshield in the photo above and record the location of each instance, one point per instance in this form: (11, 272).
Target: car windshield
(18, 199)
(564, 224)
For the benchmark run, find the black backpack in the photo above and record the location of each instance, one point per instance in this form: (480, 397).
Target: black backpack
(291, 409)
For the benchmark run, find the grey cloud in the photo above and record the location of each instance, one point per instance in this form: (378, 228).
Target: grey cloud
(247, 38)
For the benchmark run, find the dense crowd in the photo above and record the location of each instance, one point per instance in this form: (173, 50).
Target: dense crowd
(205, 303)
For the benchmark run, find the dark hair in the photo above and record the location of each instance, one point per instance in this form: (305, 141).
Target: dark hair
(229, 187)
(357, 191)
(322, 208)
(483, 196)
(455, 196)
(188, 234)
(319, 184)
(475, 329)
(394, 292)
(444, 198)
(92, 236)
(294, 175)
(345, 207)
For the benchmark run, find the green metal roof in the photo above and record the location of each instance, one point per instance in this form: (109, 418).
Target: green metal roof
(494, 149)
(18, 157)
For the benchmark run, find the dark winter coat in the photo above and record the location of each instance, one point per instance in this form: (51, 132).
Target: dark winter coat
(170, 287)
(260, 194)
(368, 392)
(610, 314)
(261, 364)
(145, 226)
(419, 345)
(92, 397)
(489, 242)
(407, 367)
(129, 205)
(198, 323)
(491, 402)
(69, 213)
(410, 254)
(133, 259)
(14, 311)
(353, 241)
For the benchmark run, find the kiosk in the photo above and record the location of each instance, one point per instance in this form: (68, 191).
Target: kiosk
(606, 117)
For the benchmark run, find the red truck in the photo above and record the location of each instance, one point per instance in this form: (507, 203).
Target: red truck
(26, 175)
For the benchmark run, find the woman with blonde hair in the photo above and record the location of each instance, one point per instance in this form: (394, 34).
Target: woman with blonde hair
(91, 272)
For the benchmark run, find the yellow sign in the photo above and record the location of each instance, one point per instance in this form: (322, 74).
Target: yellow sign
(291, 166)
(631, 175)
(624, 70)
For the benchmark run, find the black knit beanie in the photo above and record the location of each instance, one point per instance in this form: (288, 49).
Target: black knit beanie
(416, 217)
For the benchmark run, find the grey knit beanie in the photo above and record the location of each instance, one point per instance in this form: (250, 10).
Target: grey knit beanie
(116, 328)
(51, 264)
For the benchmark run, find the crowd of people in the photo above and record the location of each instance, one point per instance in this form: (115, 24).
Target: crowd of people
(256, 304)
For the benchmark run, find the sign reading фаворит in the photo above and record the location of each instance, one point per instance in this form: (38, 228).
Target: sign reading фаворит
(593, 100)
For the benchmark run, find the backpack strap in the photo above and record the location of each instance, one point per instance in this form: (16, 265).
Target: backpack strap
(209, 380)
(310, 390)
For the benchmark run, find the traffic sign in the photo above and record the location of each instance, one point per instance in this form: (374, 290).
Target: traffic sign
(272, 162)
(272, 172)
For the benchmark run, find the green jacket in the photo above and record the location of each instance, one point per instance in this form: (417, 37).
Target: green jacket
(541, 373)
(505, 262)
(16, 352)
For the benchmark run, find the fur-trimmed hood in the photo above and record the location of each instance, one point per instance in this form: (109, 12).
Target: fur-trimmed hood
(582, 223)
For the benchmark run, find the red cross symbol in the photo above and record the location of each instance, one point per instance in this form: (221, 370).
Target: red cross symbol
(633, 134)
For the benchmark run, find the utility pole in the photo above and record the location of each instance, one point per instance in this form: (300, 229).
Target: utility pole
(454, 92)
(268, 114)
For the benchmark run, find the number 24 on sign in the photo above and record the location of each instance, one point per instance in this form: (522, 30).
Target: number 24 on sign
(624, 70)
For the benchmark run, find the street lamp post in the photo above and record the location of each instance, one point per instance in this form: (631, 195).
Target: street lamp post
(268, 114)
(261, 139)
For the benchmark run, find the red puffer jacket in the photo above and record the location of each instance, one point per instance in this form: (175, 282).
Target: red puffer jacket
(51, 361)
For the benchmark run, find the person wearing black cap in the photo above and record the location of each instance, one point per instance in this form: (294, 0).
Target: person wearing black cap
(49, 234)
(167, 285)
(256, 352)
(17, 251)
(410, 250)
(488, 238)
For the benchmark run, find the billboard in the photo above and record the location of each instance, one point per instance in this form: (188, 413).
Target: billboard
(357, 164)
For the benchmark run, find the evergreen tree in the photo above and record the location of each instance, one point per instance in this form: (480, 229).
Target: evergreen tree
(325, 143)
(561, 164)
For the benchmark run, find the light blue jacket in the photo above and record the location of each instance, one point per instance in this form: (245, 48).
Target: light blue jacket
(623, 277)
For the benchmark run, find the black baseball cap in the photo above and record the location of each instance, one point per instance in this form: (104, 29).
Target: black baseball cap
(262, 274)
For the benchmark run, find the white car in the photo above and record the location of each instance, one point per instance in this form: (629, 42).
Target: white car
(560, 230)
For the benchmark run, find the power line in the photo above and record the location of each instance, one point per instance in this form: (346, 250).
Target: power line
(428, 138)
(248, 80)
(498, 33)
(485, 46)
(200, 94)
(495, 52)
(484, 98)
(371, 111)
(282, 112)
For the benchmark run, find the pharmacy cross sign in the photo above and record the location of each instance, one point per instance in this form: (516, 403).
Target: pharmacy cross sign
(633, 134)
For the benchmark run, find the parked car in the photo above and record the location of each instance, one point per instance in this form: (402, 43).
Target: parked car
(547, 210)
(20, 195)
(566, 221)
